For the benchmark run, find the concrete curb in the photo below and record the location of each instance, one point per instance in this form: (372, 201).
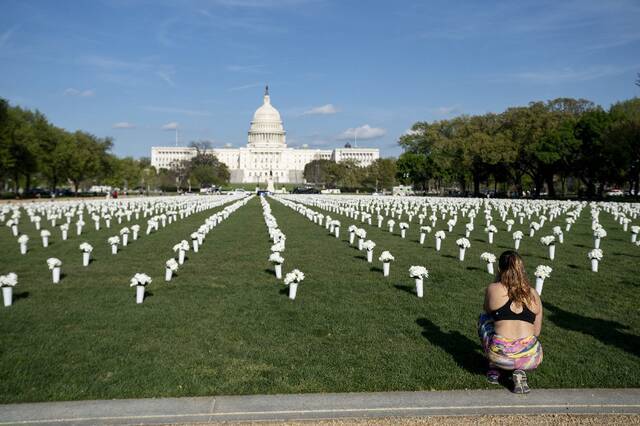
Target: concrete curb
(323, 406)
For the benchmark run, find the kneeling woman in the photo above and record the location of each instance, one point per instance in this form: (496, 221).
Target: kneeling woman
(511, 323)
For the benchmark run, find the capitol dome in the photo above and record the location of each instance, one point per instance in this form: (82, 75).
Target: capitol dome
(266, 128)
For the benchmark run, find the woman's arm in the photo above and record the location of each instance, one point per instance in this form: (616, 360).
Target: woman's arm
(537, 324)
(486, 300)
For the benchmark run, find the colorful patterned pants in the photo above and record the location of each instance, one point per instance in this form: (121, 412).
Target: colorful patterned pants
(508, 354)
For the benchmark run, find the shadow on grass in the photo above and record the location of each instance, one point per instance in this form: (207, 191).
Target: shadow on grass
(625, 254)
(473, 268)
(607, 331)
(406, 288)
(450, 256)
(360, 256)
(270, 272)
(464, 351)
(147, 294)
(572, 266)
(376, 269)
(18, 296)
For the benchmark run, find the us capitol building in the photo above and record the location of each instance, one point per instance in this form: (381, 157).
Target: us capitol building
(266, 155)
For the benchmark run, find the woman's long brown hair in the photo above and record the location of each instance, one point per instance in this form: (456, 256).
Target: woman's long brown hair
(513, 276)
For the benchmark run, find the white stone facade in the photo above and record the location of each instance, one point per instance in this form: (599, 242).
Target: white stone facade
(266, 153)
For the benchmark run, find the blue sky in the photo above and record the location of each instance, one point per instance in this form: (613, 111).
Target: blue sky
(127, 69)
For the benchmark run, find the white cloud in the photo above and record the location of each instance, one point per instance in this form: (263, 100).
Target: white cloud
(124, 125)
(245, 68)
(5, 36)
(362, 132)
(79, 93)
(166, 76)
(191, 112)
(571, 74)
(244, 87)
(170, 126)
(322, 110)
(446, 110)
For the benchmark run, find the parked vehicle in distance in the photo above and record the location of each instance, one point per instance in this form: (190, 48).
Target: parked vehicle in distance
(614, 193)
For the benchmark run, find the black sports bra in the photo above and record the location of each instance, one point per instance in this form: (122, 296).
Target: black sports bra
(505, 313)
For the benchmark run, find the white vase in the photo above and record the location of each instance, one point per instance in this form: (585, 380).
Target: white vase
(467, 233)
(539, 284)
(45, 242)
(594, 265)
(23, 248)
(391, 228)
(517, 243)
(461, 254)
(490, 237)
(385, 268)
(135, 235)
(561, 238)
(438, 244)
(114, 249)
(195, 245)
(634, 238)
(403, 233)
(490, 268)
(552, 251)
(419, 287)
(336, 231)
(422, 237)
(369, 256)
(168, 273)
(97, 226)
(64, 235)
(568, 227)
(379, 223)
(85, 258)
(293, 289)
(78, 230)
(14, 229)
(139, 293)
(56, 275)
(360, 242)
(596, 243)
(509, 228)
(531, 232)
(7, 295)
(125, 239)
(278, 268)
(180, 257)
(352, 236)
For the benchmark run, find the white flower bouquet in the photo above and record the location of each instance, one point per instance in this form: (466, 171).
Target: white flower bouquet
(490, 258)
(53, 262)
(7, 282)
(278, 247)
(463, 243)
(171, 266)
(386, 257)
(595, 254)
(86, 248)
(517, 237)
(549, 240)
(276, 258)
(140, 281)
(418, 272)
(292, 279)
(368, 246)
(542, 272)
(114, 241)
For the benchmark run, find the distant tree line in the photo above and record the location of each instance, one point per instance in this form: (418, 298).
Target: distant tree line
(350, 175)
(539, 147)
(36, 154)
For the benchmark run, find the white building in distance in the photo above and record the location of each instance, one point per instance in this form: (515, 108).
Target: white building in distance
(266, 153)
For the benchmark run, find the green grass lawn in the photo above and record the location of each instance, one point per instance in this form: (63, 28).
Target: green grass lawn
(224, 325)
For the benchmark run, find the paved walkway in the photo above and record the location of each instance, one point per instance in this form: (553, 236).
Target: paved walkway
(323, 406)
